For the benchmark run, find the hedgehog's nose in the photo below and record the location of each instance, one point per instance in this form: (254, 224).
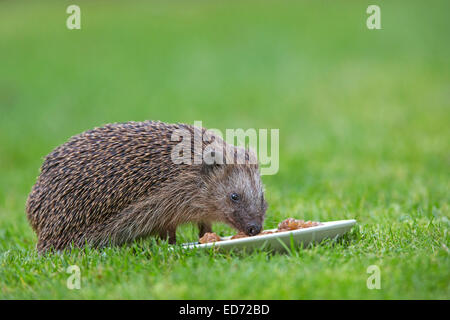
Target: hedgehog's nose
(253, 229)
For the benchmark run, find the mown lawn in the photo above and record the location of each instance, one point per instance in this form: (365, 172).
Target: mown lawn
(364, 133)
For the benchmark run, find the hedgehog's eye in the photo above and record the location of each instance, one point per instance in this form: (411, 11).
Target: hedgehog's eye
(235, 197)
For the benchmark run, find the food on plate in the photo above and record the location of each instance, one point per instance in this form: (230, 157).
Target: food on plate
(239, 235)
(264, 232)
(286, 225)
(209, 237)
(294, 224)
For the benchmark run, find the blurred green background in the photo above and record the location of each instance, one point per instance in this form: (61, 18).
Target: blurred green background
(363, 118)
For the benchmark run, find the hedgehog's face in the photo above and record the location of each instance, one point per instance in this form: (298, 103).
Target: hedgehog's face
(235, 195)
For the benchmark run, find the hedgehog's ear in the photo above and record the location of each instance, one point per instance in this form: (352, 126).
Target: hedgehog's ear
(212, 159)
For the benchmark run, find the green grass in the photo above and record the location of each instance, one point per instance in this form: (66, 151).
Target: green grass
(364, 133)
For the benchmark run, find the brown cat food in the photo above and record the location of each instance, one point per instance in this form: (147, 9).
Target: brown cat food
(239, 235)
(243, 235)
(294, 224)
(285, 225)
(209, 237)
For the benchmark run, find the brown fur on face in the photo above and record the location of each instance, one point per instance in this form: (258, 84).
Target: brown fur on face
(117, 183)
(242, 180)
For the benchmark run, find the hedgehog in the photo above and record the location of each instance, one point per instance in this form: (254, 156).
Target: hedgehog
(121, 182)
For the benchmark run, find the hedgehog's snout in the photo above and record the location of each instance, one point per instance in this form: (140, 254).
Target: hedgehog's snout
(252, 229)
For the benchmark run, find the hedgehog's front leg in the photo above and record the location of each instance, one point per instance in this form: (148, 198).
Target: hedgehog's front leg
(170, 235)
(203, 228)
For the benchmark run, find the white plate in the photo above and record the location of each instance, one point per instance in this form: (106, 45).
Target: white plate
(275, 241)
